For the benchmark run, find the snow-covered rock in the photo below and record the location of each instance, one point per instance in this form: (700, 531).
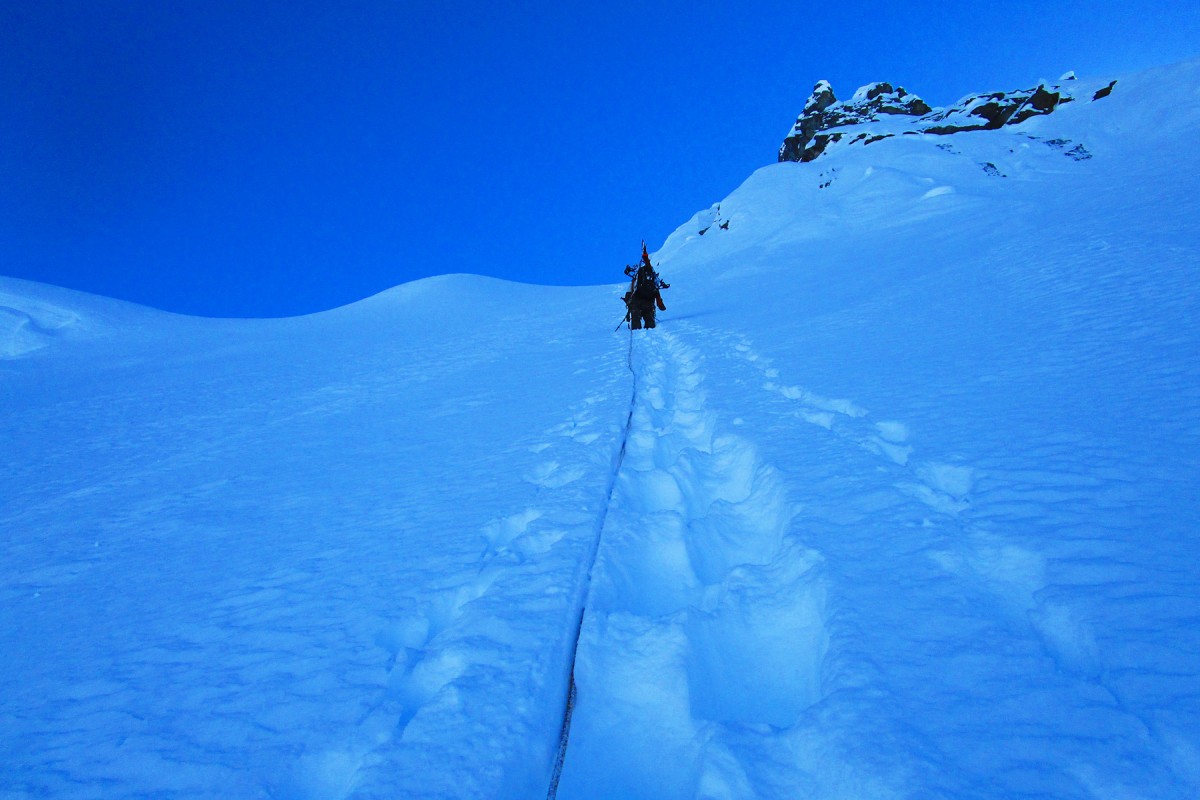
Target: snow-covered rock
(822, 112)
(825, 121)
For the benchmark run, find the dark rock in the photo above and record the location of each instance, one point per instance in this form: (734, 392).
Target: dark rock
(1043, 100)
(822, 97)
(819, 143)
(915, 107)
(1105, 92)
(808, 123)
(792, 149)
(811, 136)
(996, 112)
(996, 109)
(822, 112)
(1079, 153)
(945, 130)
(877, 89)
(1040, 102)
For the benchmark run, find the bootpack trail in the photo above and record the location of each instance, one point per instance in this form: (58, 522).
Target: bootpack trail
(694, 539)
(741, 615)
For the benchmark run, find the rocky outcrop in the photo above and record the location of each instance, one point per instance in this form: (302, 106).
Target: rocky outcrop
(995, 110)
(811, 120)
(822, 112)
(1105, 92)
(825, 120)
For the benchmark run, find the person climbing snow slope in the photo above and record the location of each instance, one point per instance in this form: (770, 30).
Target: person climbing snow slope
(643, 297)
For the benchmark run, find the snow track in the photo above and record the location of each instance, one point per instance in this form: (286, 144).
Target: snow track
(448, 660)
(753, 632)
(705, 611)
(584, 587)
(922, 555)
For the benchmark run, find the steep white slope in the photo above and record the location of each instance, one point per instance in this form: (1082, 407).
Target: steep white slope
(905, 507)
(959, 557)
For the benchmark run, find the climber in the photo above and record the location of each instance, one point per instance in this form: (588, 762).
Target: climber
(643, 297)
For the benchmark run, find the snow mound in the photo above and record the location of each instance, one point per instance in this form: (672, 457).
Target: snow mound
(28, 325)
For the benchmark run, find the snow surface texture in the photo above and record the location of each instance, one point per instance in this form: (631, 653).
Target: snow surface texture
(907, 505)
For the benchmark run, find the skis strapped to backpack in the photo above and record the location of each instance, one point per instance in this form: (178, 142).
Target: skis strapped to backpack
(640, 277)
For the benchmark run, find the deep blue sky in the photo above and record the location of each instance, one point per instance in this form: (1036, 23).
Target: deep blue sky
(276, 158)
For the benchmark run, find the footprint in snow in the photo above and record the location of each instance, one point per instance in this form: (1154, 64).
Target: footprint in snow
(1018, 579)
(552, 475)
(499, 533)
(890, 442)
(816, 401)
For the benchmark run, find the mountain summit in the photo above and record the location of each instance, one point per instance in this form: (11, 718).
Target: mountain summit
(825, 120)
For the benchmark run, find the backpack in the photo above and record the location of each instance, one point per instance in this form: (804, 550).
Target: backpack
(645, 285)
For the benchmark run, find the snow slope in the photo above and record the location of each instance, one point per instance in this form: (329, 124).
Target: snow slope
(246, 558)
(899, 501)
(981, 397)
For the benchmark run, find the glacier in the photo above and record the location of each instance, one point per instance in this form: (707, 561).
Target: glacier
(902, 499)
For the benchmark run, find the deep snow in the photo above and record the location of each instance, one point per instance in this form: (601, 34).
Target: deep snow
(906, 505)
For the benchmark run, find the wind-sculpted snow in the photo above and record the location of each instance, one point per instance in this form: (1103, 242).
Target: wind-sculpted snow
(907, 507)
(27, 324)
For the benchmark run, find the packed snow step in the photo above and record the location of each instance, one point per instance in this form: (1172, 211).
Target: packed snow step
(704, 611)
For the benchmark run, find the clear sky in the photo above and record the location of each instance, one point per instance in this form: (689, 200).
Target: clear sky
(276, 158)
